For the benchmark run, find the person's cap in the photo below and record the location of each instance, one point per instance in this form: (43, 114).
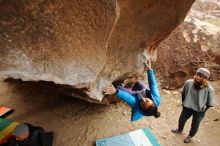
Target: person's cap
(20, 129)
(204, 71)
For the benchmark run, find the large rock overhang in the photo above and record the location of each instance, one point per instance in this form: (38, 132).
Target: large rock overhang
(82, 43)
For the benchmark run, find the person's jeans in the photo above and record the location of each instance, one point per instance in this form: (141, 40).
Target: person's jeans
(197, 118)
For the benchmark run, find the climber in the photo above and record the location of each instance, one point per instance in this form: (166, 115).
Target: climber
(143, 102)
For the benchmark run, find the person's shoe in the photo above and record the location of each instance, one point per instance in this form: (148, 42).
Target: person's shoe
(176, 130)
(187, 139)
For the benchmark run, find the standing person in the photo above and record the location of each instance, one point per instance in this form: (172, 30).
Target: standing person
(143, 103)
(197, 97)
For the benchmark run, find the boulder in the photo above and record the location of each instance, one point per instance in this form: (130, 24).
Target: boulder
(82, 43)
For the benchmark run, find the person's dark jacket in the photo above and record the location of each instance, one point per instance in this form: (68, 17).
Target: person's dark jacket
(37, 137)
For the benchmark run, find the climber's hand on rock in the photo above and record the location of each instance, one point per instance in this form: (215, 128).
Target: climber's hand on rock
(147, 65)
(109, 90)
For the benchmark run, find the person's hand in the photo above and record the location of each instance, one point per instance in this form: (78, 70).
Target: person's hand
(109, 90)
(147, 65)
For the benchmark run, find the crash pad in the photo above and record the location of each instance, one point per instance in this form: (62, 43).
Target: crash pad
(140, 137)
(6, 129)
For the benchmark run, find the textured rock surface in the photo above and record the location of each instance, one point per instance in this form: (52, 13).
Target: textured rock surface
(196, 43)
(86, 44)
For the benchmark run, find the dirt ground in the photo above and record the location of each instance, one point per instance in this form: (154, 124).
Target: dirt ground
(80, 123)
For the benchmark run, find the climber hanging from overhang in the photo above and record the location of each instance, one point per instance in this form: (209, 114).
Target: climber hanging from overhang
(144, 101)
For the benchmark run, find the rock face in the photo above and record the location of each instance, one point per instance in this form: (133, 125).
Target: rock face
(195, 43)
(85, 44)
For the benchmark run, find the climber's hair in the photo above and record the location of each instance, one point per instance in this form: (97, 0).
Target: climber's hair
(152, 111)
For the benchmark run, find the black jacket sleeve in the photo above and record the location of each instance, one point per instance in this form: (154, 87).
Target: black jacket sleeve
(183, 97)
(207, 107)
(10, 142)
